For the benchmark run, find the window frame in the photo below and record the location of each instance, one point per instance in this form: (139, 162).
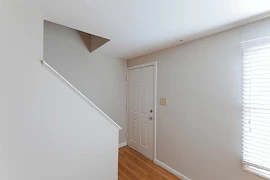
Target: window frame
(253, 168)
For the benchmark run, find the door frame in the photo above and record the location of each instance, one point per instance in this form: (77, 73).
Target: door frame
(154, 64)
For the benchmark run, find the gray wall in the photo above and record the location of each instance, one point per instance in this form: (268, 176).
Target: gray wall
(101, 78)
(199, 132)
(47, 132)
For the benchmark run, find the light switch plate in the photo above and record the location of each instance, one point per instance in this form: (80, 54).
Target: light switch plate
(163, 101)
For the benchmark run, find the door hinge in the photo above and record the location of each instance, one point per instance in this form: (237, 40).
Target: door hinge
(127, 135)
(126, 106)
(127, 78)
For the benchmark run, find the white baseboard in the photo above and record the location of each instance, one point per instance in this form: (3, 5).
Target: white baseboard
(171, 170)
(123, 144)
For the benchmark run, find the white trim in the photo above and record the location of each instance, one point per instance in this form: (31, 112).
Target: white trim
(54, 72)
(171, 170)
(155, 107)
(255, 166)
(253, 42)
(154, 63)
(126, 135)
(143, 65)
(258, 173)
(123, 144)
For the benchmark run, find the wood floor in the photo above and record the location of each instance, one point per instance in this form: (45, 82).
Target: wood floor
(134, 166)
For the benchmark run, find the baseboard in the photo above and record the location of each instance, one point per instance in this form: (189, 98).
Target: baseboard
(123, 144)
(171, 170)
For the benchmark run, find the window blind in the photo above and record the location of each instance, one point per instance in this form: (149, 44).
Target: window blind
(256, 106)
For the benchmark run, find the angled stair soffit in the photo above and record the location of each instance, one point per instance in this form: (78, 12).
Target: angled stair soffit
(91, 41)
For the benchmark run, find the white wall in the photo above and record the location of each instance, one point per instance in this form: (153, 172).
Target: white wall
(99, 77)
(46, 130)
(199, 132)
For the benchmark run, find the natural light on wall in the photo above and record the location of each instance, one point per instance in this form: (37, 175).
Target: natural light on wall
(256, 106)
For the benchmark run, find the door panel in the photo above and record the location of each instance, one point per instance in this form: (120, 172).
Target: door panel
(140, 109)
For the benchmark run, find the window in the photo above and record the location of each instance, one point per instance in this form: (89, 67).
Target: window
(256, 106)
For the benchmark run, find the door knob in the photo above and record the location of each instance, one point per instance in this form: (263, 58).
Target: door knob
(150, 118)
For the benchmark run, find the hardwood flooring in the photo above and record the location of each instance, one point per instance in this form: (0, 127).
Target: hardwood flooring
(134, 166)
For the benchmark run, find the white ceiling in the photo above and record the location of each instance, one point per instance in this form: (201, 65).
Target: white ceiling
(137, 27)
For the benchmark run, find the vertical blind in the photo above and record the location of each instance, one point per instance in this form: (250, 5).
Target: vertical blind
(256, 106)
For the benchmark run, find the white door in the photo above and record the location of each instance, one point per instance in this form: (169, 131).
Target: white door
(141, 110)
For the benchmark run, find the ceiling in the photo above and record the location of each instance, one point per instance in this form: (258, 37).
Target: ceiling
(138, 27)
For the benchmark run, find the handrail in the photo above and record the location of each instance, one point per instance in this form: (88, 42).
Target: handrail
(47, 66)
